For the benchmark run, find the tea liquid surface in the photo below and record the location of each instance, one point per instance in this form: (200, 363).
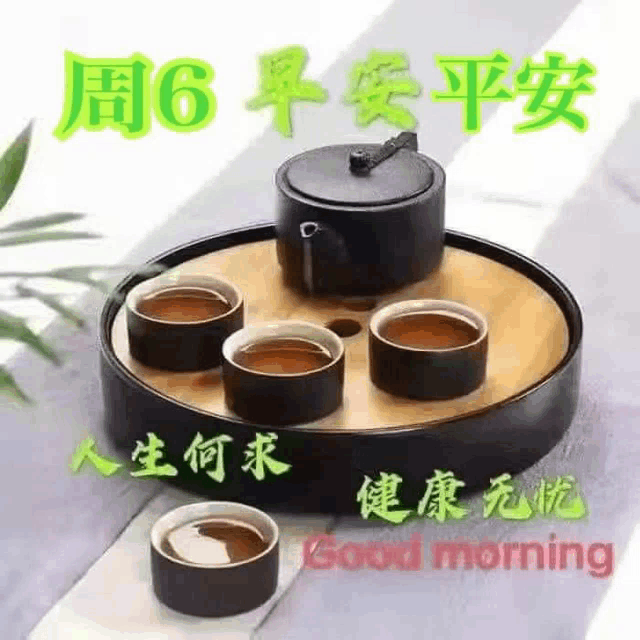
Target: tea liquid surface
(184, 304)
(214, 541)
(283, 355)
(429, 330)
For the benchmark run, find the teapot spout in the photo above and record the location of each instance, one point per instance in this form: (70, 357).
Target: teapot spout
(309, 229)
(323, 250)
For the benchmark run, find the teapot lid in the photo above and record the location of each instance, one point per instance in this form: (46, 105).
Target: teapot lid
(362, 175)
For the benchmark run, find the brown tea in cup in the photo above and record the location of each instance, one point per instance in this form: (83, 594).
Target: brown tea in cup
(178, 322)
(214, 541)
(184, 304)
(429, 330)
(214, 559)
(283, 355)
(286, 372)
(428, 349)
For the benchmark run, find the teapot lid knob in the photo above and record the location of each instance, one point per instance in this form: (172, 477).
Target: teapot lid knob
(359, 161)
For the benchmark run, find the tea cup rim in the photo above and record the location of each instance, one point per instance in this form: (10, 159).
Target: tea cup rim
(262, 329)
(175, 281)
(444, 307)
(200, 510)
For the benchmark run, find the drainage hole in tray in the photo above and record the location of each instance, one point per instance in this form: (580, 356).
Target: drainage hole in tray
(345, 327)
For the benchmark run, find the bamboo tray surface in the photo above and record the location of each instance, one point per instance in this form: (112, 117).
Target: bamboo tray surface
(528, 336)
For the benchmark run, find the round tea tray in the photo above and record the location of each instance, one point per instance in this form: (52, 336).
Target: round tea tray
(521, 411)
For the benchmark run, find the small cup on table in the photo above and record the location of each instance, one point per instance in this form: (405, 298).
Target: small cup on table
(214, 559)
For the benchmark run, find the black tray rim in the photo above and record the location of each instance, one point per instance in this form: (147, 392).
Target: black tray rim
(528, 267)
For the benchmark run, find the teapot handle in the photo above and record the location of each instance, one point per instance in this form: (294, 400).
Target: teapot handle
(361, 162)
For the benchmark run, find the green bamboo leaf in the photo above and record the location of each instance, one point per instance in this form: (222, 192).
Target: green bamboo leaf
(45, 236)
(8, 386)
(41, 221)
(79, 275)
(16, 329)
(12, 163)
(84, 274)
(53, 303)
(133, 268)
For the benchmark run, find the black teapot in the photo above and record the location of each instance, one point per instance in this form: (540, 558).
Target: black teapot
(360, 219)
